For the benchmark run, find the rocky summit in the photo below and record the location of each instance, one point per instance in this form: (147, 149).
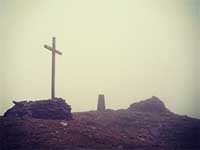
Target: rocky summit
(153, 105)
(55, 108)
(146, 125)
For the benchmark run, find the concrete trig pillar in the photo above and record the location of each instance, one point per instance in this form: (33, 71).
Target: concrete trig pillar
(101, 103)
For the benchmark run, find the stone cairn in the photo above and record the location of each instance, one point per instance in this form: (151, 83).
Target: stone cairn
(101, 103)
(56, 109)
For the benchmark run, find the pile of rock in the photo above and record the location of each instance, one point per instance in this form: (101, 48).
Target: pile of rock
(56, 109)
(153, 105)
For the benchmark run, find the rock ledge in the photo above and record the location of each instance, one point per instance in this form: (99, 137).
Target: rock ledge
(56, 109)
(153, 105)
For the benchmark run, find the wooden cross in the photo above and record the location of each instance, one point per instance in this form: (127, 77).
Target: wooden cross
(54, 51)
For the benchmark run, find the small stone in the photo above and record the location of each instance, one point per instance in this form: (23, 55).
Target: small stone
(64, 123)
(93, 128)
(120, 147)
(56, 132)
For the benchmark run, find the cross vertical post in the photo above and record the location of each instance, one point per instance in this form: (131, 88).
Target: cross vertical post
(54, 52)
(53, 69)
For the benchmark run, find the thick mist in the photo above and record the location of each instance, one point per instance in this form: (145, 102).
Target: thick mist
(128, 50)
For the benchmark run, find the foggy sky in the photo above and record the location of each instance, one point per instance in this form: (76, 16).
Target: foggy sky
(128, 50)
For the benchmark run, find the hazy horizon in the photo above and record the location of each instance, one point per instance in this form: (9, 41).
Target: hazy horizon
(126, 50)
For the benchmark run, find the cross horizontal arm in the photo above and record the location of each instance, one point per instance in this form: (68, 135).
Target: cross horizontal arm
(51, 49)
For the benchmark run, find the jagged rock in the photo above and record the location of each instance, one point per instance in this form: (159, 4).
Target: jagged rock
(56, 109)
(153, 104)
